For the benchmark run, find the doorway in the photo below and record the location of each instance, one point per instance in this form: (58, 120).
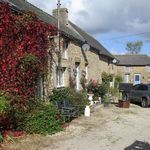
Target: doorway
(137, 79)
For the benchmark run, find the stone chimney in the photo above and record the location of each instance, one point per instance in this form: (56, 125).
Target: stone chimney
(63, 15)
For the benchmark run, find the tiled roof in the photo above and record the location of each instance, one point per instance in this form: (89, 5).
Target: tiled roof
(80, 35)
(133, 60)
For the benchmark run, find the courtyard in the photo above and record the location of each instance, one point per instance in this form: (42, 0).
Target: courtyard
(110, 128)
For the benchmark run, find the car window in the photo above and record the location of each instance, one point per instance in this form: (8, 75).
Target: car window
(136, 87)
(143, 88)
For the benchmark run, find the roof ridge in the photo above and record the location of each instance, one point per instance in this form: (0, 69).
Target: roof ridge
(131, 55)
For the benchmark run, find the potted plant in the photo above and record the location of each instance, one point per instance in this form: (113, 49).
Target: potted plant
(106, 100)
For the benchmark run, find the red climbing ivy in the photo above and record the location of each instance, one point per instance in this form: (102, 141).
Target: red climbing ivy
(23, 52)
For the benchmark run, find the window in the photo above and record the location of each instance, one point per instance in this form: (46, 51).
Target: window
(137, 78)
(136, 87)
(143, 88)
(65, 49)
(60, 77)
(127, 78)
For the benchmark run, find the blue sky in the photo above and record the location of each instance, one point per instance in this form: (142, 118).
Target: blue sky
(116, 43)
(113, 23)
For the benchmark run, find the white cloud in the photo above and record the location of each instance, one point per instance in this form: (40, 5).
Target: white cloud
(116, 52)
(97, 16)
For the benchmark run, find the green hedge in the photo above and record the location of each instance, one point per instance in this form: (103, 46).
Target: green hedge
(43, 119)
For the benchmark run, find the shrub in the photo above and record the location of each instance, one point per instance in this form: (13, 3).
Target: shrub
(106, 78)
(83, 81)
(75, 97)
(1, 138)
(118, 80)
(5, 115)
(4, 105)
(114, 92)
(44, 119)
(102, 90)
(60, 94)
(92, 86)
(97, 89)
(72, 82)
(78, 98)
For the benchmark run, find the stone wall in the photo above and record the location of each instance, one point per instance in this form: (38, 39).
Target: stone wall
(143, 70)
(95, 63)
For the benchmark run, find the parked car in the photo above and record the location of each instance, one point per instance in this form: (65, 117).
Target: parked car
(137, 93)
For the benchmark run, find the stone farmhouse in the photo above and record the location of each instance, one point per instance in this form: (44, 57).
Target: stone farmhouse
(134, 68)
(75, 62)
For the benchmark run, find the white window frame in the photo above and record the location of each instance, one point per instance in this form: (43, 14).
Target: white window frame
(60, 77)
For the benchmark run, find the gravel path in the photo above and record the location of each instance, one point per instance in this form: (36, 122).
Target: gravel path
(107, 129)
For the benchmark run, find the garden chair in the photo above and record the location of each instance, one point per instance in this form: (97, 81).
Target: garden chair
(65, 111)
(74, 110)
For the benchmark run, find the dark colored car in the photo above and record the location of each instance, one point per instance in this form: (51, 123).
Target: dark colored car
(138, 93)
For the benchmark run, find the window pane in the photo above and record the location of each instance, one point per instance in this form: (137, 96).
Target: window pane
(137, 78)
(60, 77)
(136, 87)
(143, 87)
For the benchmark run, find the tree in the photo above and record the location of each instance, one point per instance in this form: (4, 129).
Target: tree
(134, 47)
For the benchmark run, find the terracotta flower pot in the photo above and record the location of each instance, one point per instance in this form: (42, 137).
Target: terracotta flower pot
(124, 103)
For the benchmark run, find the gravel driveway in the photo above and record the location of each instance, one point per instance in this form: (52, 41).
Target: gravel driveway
(110, 128)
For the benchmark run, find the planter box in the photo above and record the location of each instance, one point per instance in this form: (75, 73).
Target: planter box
(124, 103)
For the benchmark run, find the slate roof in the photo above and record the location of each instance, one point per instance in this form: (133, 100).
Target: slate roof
(81, 36)
(91, 41)
(133, 60)
(23, 5)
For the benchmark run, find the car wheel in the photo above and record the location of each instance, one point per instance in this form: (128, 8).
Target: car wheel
(144, 103)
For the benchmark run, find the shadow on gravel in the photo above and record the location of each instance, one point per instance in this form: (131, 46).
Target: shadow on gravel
(138, 145)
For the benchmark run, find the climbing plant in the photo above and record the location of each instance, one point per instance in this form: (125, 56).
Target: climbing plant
(23, 53)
